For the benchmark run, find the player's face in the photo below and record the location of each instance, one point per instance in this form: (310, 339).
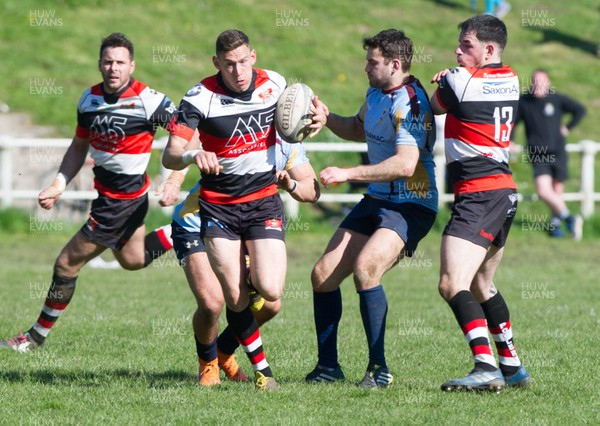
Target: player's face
(236, 67)
(116, 67)
(470, 51)
(378, 72)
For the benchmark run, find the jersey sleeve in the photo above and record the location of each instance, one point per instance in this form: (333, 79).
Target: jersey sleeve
(164, 114)
(188, 114)
(361, 112)
(445, 93)
(82, 130)
(290, 155)
(160, 110)
(518, 115)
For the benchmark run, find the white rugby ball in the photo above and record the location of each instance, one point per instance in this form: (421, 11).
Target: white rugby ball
(292, 114)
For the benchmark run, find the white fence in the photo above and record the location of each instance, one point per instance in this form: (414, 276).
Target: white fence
(586, 196)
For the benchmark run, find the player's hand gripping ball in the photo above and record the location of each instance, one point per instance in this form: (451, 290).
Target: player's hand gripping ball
(292, 115)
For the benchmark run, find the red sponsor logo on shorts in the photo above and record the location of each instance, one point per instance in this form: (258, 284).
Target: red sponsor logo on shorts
(91, 223)
(275, 224)
(486, 235)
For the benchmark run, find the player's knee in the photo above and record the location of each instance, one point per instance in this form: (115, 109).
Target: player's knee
(207, 317)
(63, 268)
(367, 274)
(445, 288)
(272, 294)
(211, 306)
(130, 262)
(272, 308)
(209, 312)
(316, 277)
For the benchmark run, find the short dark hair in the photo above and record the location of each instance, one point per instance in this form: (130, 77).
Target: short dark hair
(487, 28)
(117, 40)
(230, 40)
(393, 44)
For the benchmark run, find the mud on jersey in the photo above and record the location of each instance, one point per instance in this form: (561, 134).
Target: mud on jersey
(238, 128)
(482, 105)
(120, 128)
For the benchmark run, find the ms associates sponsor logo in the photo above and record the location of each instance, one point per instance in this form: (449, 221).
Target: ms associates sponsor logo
(499, 88)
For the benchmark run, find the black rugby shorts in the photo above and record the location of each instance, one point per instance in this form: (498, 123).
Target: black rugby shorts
(253, 220)
(112, 222)
(483, 218)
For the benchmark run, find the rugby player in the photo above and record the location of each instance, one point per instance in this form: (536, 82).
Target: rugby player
(240, 208)
(296, 176)
(397, 211)
(116, 123)
(480, 99)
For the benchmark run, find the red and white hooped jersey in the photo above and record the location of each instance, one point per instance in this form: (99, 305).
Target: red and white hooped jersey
(120, 128)
(482, 104)
(239, 129)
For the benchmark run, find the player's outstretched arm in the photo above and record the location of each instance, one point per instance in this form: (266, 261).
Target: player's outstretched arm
(71, 163)
(349, 128)
(401, 165)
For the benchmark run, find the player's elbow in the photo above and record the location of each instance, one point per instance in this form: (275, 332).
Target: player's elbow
(316, 193)
(171, 162)
(409, 170)
(167, 161)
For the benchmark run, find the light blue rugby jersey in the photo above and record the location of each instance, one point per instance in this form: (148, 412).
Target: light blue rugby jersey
(401, 117)
(187, 213)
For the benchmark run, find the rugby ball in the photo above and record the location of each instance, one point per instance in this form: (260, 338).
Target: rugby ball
(292, 113)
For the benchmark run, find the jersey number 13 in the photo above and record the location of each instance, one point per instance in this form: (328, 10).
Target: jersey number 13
(502, 130)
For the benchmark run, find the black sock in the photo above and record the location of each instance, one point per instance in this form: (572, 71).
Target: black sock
(498, 318)
(226, 342)
(327, 311)
(247, 332)
(206, 352)
(58, 298)
(471, 319)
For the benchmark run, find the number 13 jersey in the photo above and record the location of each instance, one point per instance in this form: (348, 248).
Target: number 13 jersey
(481, 104)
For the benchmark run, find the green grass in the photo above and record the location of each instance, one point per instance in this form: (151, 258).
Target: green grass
(49, 44)
(123, 353)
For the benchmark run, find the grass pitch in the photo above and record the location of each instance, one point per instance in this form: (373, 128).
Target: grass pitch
(123, 352)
